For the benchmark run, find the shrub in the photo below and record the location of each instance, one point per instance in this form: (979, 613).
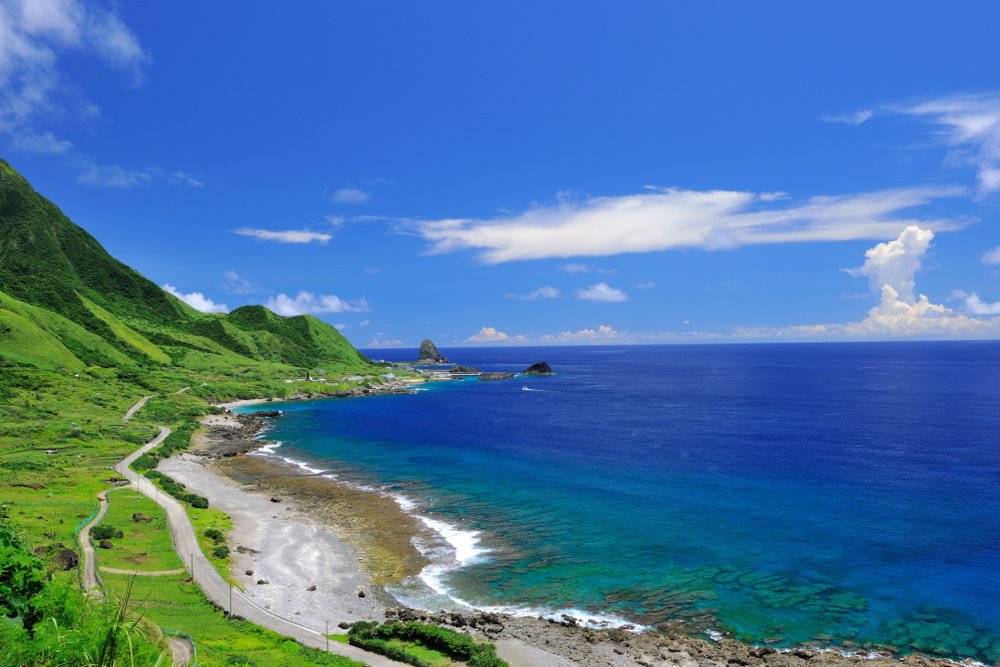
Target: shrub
(103, 532)
(221, 551)
(215, 535)
(372, 636)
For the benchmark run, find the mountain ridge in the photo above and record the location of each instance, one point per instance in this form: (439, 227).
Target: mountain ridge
(62, 293)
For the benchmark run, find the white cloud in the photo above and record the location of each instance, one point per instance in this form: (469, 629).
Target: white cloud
(649, 284)
(285, 236)
(601, 293)
(895, 263)
(379, 342)
(196, 300)
(34, 35)
(181, 178)
(572, 267)
(339, 326)
(488, 335)
(307, 302)
(364, 323)
(673, 218)
(855, 118)
(350, 196)
(976, 306)
(992, 257)
(971, 127)
(546, 292)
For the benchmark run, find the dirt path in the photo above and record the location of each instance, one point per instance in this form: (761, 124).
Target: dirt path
(183, 651)
(212, 584)
(91, 582)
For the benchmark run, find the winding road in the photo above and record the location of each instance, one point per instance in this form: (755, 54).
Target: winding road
(212, 584)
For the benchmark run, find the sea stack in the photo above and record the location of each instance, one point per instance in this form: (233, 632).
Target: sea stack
(429, 353)
(538, 368)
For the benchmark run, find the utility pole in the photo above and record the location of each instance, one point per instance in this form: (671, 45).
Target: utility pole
(230, 602)
(192, 567)
(327, 635)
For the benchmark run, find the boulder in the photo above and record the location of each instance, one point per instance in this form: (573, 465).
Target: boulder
(429, 353)
(105, 544)
(66, 559)
(538, 368)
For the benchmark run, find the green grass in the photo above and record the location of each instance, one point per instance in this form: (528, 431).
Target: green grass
(146, 545)
(421, 652)
(174, 602)
(203, 519)
(125, 334)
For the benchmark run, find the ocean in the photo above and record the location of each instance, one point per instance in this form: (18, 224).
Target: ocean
(829, 494)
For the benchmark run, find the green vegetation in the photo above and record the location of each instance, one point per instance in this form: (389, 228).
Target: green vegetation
(174, 602)
(145, 544)
(422, 645)
(83, 337)
(52, 623)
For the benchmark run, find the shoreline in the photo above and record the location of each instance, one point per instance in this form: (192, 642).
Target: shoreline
(311, 499)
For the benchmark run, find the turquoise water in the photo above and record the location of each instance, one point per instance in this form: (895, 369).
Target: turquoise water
(831, 494)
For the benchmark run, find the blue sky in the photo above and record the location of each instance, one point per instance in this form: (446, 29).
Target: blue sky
(515, 173)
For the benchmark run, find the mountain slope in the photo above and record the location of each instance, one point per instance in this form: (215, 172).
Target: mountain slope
(85, 303)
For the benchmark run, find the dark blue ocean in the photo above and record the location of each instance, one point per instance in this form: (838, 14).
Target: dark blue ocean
(836, 494)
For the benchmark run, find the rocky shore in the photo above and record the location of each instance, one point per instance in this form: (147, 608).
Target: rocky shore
(380, 535)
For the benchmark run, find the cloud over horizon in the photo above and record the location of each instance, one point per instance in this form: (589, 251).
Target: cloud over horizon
(672, 218)
(601, 293)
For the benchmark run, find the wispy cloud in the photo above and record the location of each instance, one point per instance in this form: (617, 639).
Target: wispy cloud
(970, 126)
(196, 300)
(381, 342)
(649, 284)
(673, 218)
(546, 292)
(285, 236)
(237, 284)
(309, 303)
(350, 195)
(855, 118)
(116, 176)
(574, 267)
(992, 257)
(601, 293)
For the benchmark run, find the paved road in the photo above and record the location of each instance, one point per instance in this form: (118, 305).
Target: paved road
(135, 408)
(183, 651)
(214, 587)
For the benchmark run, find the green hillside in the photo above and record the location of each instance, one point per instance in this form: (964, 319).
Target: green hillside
(69, 303)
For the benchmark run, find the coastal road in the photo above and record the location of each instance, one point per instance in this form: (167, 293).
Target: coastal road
(213, 585)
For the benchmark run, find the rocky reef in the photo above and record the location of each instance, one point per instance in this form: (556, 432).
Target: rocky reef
(489, 377)
(429, 353)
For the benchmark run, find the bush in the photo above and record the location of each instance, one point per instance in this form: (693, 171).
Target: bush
(103, 532)
(221, 551)
(372, 636)
(144, 462)
(215, 535)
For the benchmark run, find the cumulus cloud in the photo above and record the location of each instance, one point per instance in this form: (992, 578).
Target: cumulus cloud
(601, 293)
(490, 335)
(992, 257)
(196, 300)
(976, 306)
(891, 268)
(895, 263)
(545, 292)
(285, 236)
(350, 196)
(673, 218)
(309, 303)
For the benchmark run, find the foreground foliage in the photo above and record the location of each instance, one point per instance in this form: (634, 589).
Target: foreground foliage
(391, 639)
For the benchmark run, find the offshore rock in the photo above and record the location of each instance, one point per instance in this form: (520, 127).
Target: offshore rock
(463, 370)
(487, 377)
(429, 353)
(539, 368)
